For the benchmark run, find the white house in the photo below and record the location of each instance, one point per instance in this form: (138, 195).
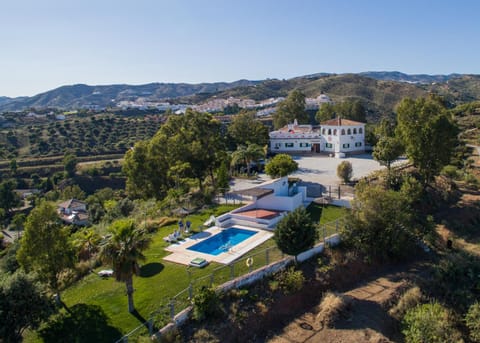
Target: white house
(337, 136)
(73, 211)
(271, 201)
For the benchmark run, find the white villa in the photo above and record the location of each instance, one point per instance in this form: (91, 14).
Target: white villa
(336, 136)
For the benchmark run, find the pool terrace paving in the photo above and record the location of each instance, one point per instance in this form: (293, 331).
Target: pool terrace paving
(181, 254)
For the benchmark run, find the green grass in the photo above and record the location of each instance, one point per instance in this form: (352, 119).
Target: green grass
(160, 280)
(325, 213)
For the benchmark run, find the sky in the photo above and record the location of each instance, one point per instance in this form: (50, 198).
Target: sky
(49, 43)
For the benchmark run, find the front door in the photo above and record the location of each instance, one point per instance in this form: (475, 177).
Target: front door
(316, 147)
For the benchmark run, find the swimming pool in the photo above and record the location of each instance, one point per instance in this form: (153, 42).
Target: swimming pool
(222, 241)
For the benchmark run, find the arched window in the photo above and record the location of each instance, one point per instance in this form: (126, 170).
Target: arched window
(323, 131)
(343, 131)
(329, 131)
(335, 132)
(360, 130)
(349, 131)
(354, 130)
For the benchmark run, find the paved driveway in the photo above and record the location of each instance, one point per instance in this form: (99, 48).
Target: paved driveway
(319, 170)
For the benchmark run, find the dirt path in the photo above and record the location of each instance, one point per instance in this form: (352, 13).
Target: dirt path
(367, 319)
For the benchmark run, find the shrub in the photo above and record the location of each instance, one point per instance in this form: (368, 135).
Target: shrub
(472, 320)
(471, 181)
(407, 301)
(206, 304)
(204, 336)
(290, 280)
(345, 171)
(295, 233)
(332, 307)
(450, 171)
(429, 323)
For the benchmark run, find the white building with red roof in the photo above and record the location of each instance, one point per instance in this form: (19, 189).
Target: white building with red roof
(336, 136)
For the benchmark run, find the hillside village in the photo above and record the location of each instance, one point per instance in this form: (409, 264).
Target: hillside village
(159, 221)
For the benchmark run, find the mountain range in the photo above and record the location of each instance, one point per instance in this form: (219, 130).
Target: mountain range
(380, 91)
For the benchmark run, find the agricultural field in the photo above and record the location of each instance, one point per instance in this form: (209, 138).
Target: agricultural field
(95, 135)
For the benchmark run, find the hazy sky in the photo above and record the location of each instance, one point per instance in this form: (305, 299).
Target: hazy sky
(48, 43)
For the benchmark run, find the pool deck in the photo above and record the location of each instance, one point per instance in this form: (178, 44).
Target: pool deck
(181, 254)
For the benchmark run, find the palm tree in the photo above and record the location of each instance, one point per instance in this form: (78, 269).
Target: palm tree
(87, 244)
(123, 251)
(247, 155)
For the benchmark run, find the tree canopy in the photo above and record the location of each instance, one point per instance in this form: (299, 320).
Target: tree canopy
(352, 109)
(382, 224)
(44, 246)
(296, 232)
(8, 198)
(280, 165)
(70, 164)
(247, 129)
(187, 146)
(24, 303)
(293, 107)
(428, 134)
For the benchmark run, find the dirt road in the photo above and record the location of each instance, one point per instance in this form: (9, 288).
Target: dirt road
(367, 320)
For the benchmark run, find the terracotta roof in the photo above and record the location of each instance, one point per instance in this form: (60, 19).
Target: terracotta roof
(341, 122)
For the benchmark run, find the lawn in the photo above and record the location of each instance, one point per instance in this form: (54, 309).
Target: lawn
(160, 280)
(325, 213)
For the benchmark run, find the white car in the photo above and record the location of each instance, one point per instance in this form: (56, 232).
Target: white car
(105, 272)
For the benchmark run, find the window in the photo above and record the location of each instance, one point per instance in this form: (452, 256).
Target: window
(306, 145)
(328, 145)
(335, 132)
(277, 145)
(346, 145)
(354, 130)
(358, 144)
(360, 130)
(349, 132)
(329, 131)
(343, 131)
(288, 145)
(323, 131)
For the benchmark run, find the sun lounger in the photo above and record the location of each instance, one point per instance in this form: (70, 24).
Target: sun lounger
(172, 238)
(210, 221)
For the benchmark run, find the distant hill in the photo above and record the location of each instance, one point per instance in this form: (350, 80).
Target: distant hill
(379, 91)
(77, 96)
(409, 78)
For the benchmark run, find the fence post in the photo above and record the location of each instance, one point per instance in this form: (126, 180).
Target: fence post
(339, 197)
(232, 271)
(190, 291)
(172, 309)
(267, 256)
(150, 326)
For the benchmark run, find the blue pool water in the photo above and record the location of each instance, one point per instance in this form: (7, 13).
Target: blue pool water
(222, 241)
